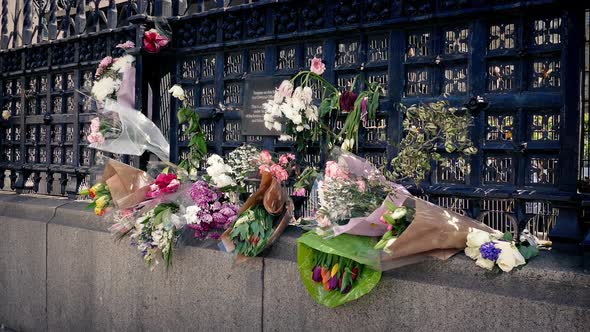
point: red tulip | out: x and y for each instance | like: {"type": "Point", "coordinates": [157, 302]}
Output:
{"type": "Point", "coordinates": [347, 100]}
{"type": "Point", "coordinates": [153, 41]}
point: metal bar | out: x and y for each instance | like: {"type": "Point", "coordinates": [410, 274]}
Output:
{"type": "Point", "coordinates": [52, 24]}
{"type": "Point", "coordinates": [27, 22]}
{"type": "Point", "coordinates": [80, 20]}
{"type": "Point", "coordinates": [4, 22]}
{"type": "Point", "coordinates": [112, 15]}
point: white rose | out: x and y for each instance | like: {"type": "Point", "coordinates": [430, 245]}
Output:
{"type": "Point", "coordinates": [299, 128]}
{"type": "Point", "coordinates": [223, 180]}
{"type": "Point", "coordinates": [485, 263]}
{"type": "Point", "coordinates": [472, 253]}
{"type": "Point", "coordinates": [509, 257]}
{"type": "Point", "coordinates": [6, 114]}
{"type": "Point", "coordinates": [477, 238]}
{"type": "Point", "coordinates": [177, 92]}
{"type": "Point", "coordinates": [277, 126]}
{"type": "Point", "coordinates": [214, 159]}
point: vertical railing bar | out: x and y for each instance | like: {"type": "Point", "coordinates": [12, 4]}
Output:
{"type": "Point", "coordinates": [52, 24]}
{"type": "Point", "coordinates": [27, 23]}
{"type": "Point", "coordinates": [112, 15]}
{"type": "Point", "coordinates": [4, 21]}
{"type": "Point", "coordinates": [80, 20]}
{"type": "Point", "coordinates": [15, 19]}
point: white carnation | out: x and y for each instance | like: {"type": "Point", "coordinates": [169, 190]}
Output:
{"type": "Point", "coordinates": [214, 159]}
{"type": "Point", "coordinates": [105, 87]}
{"type": "Point", "coordinates": [191, 214]}
{"type": "Point", "coordinates": [223, 180]}
{"type": "Point", "coordinates": [123, 63]}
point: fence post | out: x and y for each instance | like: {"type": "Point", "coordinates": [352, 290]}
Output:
{"type": "Point", "coordinates": [4, 22]}
{"type": "Point", "coordinates": [80, 20]}
{"type": "Point", "coordinates": [112, 15]}
{"type": "Point", "coordinates": [27, 23]}
{"type": "Point", "coordinates": [52, 24]}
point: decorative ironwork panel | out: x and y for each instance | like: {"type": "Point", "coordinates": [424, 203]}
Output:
{"type": "Point", "coordinates": [546, 74]}
{"type": "Point", "coordinates": [547, 32]}
{"type": "Point", "coordinates": [234, 64]}
{"type": "Point", "coordinates": [419, 44]}
{"type": "Point", "coordinates": [498, 170]}
{"type": "Point", "coordinates": [257, 61]}
{"type": "Point", "coordinates": [502, 37]}
{"type": "Point", "coordinates": [499, 127]}
{"type": "Point", "coordinates": [347, 53]}
{"type": "Point", "coordinates": [286, 58]}
{"type": "Point", "coordinates": [544, 127]}
{"type": "Point", "coordinates": [418, 81]}
{"type": "Point", "coordinates": [455, 80]}
{"type": "Point", "coordinates": [456, 41]}
{"type": "Point", "coordinates": [378, 50]}
{"type": "Point", "coordinates": [452, 170]}
{"type": "Point", "coordinates": [543, 170]}
{"type": "Point", "coordinates": [502, 77]}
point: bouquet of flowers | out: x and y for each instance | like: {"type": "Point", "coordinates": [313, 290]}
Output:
{"type": "Point", "coordinates": [211, 213]}
{"type": "Point", "coordinates": [261, 219]}
{"type": "Point", "coordinates": [496, 249]}
{"type": "Point", "coordinates": [101, 198]}
{"type": "Point", "coordinates": [114, 74]}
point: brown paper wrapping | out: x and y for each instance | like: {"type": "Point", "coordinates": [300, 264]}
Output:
{"type": "Point", "coordinates": [435, 232]}
{"type": "Point", "coordinates": [263, 196]}
{"type": "Point", "coordinates": [128, 185]}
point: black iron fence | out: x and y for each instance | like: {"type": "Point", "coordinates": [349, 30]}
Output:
{"type": "Point", "coordinates": [524, 58]}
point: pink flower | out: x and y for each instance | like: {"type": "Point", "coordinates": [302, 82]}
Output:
{"type": "Point", "coordinates": [362, 185]}
{"type": "Point", "coordinates": [299, 192]}
{"type": "Point", "coordinates": [153, 194]}
{"type": "Point", "coordinates": [334, 171]}
{"type": "Point", "coordinates": [105, 62]}
{"type": "Point", "coordinates": [153, 41]}
{"type": "Point", "coordinates": [171, 187]}
{"type": "Point", "coordinates": [263, 168]}
{"type": "Point", "coordinates": [317, 66]}
{"type": "Point", "coordinates": [364, 110]}
{"type": "Point", "coordinates": [163, 180]}
{"type": "Point", "coordinates": [284, 159]}
{"type": "Point", "coordinates": [265, 157]}
{"type": "Point", "coordinates": [95, 125]}
{"type": "Point", "coordinates": [154, 187]}
{"type": "Point", "coordinates": [99, 71]}
{"type": "Point", "coordinates": [95, 138]}
{"type": "Point", "coordinates": [126, 45]}
{"type": "Point", "coordinates": [285, 90]}
{"type": "Point", "coordinates": [279, 173]}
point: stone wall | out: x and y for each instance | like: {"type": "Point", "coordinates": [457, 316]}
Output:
{"type": "Point", "coordinates": [60, 270]}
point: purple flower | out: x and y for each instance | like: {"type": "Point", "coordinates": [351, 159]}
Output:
{"type": "Point", "coordinates": [347, 100]}
{"type": "Point", "coordinates": [317, 274]}
{"type": "Point", "coordinates": [333, 282]}
{"type": "Point", "coordinates": [489, 251]}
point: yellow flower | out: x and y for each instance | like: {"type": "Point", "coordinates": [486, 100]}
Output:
{"type": "Point", "coordinates": [102, 201]}
{"type": "Point", "coordinates": [99, 211]}
{"type": "Point", "coordinates": [334, 270]}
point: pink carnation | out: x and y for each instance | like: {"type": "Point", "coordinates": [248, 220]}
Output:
{"type": "Point", "coordinates": [299, 192]}
{"type": "Point", "coordinates": [263, 168]}
{"type": "Point", "coordinates": [105, 62]}
{"type": "Point", "coordinates": [284, 159]}
{"type": "Point", "coordinates": [126, 45]}
{"type": "Point", "coordinates": [95, 138]}
{"type": "Point", "coordinates": [362, 185]}
{"type": "Point", "coordinates": [265, 157]}
{"type": "Point", "coordinates": [333, 170]}
{"type": "Point", "coordinates": [171, 187]}
{"type": "Point", "coordinates": [317, 66]}
{"type": "Point", "coordinates": [279, 173]}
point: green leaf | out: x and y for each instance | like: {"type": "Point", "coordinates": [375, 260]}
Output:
{"type": "Point", "coordinates": [508, 236]}
{"type": "Point", "coordinates": [181, 116]}
{"type": "Point", "coordinates": [325, 107]}
{"type": "Point", "coordinates": [528, 252]}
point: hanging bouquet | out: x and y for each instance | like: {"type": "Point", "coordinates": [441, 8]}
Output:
{"type": "Point", "coordinates": [114, 74]}
{"type": "Point", "coordinates": [293, 112]}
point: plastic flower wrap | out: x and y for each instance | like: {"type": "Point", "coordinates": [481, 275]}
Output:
{"type": "Point", "coordinates": [124, 130]}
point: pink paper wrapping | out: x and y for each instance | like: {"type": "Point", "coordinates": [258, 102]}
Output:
{"type": "Point", "coordinates": [126, 93]}
{"type": "Point", "coordinates": [128, 185]}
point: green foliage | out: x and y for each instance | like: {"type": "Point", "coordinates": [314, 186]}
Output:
{"type": "Point", "coordinates": [528, 251]}
{"type": "Point", "coordinates": [197, 142]}
{"type": "Point", "coordinates": [251, 231]}
{"type": "Point", "coordinates": [428, 128]}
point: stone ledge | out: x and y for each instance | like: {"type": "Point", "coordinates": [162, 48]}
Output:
{"type": "Point", "coordinates": [103, 279]}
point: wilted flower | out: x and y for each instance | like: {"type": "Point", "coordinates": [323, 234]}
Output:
{"type": "Point", "coordinates": [347, 100]}
{"type": "Point", "coordinates": [126, 45]}
{"type": "Point", "coordinates": [317, 66]}
{"type": "Point", "coordinates": [348, 144]}
{"type": "Point", "coordinates": [285, 90]}
{"type": "Point", "coordinates": [177, 92]}
{"type": "Point", "coordinates": [153, 41]}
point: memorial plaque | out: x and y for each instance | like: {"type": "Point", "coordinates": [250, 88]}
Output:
{"type": "Point", "coordinates": [257, 91]}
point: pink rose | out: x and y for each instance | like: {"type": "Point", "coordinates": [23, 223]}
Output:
{"type": "Point", "coordinates": [154, 187]}
{"type": "Point", "coordinates": [105, 62]}
{"type": "Point", "coordinates": [317, 66]}
{"type": "Point", "coordinates": [334, 171]}
{"type": "Point", "coordinates": [263, 168]}
{"type": "Point", "coordinates": [99, 72]}
{"type": "Point", "coordinates": [284, 159]}
{"type": "Point", "coordinates": [362, 185]}
{"type": "Point", "coordinates": [126, 45]}
{"type": "Point", "coordinates": [163, 180]}
{"type": "Point", "coordinates": [285, 89]}
{"type": "Point", "coordinates": [279, 173]}
{"type": "Point", "coordinates": [95, 138]}
{"type": "Point", "coordinates": [95, 125]}
{"type": "Point", "coordinates": [299, 192]}
{"type": "Point", "coordinates": [265, 157]}
{"type": "Point", "coordinates": [153, 41]}
{"type": "Point", "coordinates": [153, 194]}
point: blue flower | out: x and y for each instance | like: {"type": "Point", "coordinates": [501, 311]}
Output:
{"type": "Point", "coordinates": [489, 251]}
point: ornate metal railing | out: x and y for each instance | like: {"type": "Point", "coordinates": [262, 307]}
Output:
{"type": "Point", "coordinates": [522, 57]}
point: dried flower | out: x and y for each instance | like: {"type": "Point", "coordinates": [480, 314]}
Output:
{"type": "Point", "coordinates": [347, 100]}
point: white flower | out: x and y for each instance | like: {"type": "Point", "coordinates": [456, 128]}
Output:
{"type": "Point", "coordinates": [157, 236]}
{"type": "Point", "coordinates": [223, 180]}
{"type": "Point", "coordinates": [214, 159]}
{"type": "Point", "coordinates": [298, 93]}
{"type": "Point", "coordinates": [218, 169]}
{"type": "Point", "coordinates": [472, 253]}
{"type": "Point", "coordinates": [105, 87]}
{"type": "Point", "coordinates": [177, 92]}
{"type": "Point", "coordinates": [312, 113]}
{"type": "Point", "coordinates": [388, 245]}
{"type": "Point", "coordinates": [177, 221]}
{"type": "Point", "coordinates": [348, 144]}
{"type": "Point", "coordinates": [283, 138]}
{"type": "Point", "coordinates": [6, 114]}
{"type": "Point", "coordinates": [285, 89]}
{"type": "Point", "coordinates": [509, 257]}
{"type": "Point", "coordinates": [307, 95]}
{"type": "Point", "coordinates": [477, 238]}
{"type": "Point", "coordinates": [277, 126]}
{"type": "Point", "coordinates": [299, 128]}
{"type": "Point", "coordinates": [268, 125]}
{"type": "Point", "coordinates": [190, 214]}
{"type": "Point", "coordinates": [485, 263]}
{"type": "Point", "coordinates": [122, 63]}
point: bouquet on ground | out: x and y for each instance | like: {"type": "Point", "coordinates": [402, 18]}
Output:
{"type": "Point", "coordinates": [497, 249]}
{"type": "Point", "coordinates": [101, 198]}
{"type": "Point", "coordinates": [121, 185]}
{"type": "Point", "coordinates": [261, 219]}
